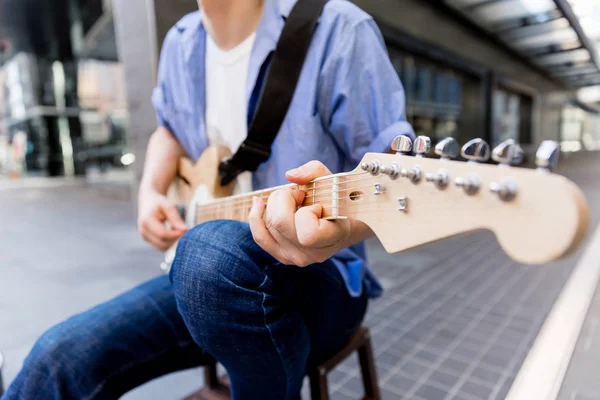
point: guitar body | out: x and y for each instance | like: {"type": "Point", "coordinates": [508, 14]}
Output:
{"type": "Point", "coordinates": [195, 184]}
{"type": "Point", "coordinates": [202, 176]}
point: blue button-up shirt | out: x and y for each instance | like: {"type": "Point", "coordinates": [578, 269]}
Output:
{"type": "Point", "coordinates": [349, 101]}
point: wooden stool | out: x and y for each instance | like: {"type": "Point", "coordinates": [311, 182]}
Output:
{"type": "Point", "coordinates": [218, 389]}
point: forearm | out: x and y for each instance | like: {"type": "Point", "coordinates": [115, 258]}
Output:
{"type": "Point", "coordinates": [160, 167]}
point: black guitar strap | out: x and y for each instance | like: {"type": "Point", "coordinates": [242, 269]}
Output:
{"type": "Point", "coordinates": [279, 88]}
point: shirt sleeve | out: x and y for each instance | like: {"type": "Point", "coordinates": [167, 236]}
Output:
{"type": "Point", "coordinates": [161, 94]}
{"type": "Point", "coordinates": [361, 98]}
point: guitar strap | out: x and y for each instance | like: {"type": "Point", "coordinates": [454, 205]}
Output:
{"type": "Point", "coordinates": [280, 85]}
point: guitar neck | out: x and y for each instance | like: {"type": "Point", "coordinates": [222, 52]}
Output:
{"type": "Point", "coordinates": [324, 191]}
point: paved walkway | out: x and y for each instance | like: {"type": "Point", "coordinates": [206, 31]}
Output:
{"type": "Point", "coordinates": [456, 322]}
{"type": "Point", "coordinates": [582, 379]}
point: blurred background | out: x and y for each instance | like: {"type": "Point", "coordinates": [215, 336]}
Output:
{"type": "Point", "coordinates": [522, 69]}
{"type": "Point", "coordinates": [76, 78]}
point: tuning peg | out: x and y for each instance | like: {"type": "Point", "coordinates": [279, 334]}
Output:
{"type": "Point", "coordinates": [402, 144]}
{"type": "Point", "coordinates": [440, 178]}
{"type": "Point", "coordinates": [506, 190]}
{"type": "Point", "coordinates": [447, 148]}
{"type": "Point", "coordinates": [547, 155]}
{"type": "Point", "coordinates": [476, 150]}
{"type": "Point", "coordinates": [507, 153]}
{"type": "Point", "coordinates": [422, 145]}
{"type": "Point", "coordinates": [373, 167]}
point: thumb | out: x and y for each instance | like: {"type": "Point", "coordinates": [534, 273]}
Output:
{"type": "Point", "coordinates": [308, 172]}
{"type": "Point", "coordinates": [173, 216]}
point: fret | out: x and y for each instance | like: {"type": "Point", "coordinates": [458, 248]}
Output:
{"type": "Point", "coordinates": [321, 191]}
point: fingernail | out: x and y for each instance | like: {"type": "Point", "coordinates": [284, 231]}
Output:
{"type": "Point", "coordinates": [255, 201]}
{"type": "Point", "coordinates": [294, 172]}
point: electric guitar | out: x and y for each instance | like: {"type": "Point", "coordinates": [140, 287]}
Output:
{"type": "Point", "coordinates": [407, 201]}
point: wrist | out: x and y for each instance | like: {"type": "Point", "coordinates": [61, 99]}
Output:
{"type": "Point", "coordinates": [359, 232]}
{"type": "Point", "coordinates": [146, 192]}
{"type": "Point", "coordinates": [147, 186]}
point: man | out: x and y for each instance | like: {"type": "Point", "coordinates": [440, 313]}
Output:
{"type": "Point", "coordinates": [238, 291]}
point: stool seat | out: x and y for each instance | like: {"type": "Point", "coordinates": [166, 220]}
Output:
{"type": "Point", "coordinates": [218, 388]}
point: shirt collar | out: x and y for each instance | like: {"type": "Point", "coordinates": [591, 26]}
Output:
{"type": "Point", "coordinates": [267, 36]}
{"type": "Point", "coordinates": [269, 29]}
{"type": "Point", "coordinates": [193, 39]}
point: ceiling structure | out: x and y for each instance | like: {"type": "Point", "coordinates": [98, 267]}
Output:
{"type": "Point", "coordinates": [557, 36]}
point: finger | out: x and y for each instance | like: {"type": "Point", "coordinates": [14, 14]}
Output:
{"type": "Point", "coordinates": [157, 228]}
{"type": "Point", "coordinates": [259, 230]}
{"type": "Point", "coordinates": [314, 232]}
{"type": "Point", "coordinates": [298, 195]}
{"type": "Point", "coordinates": [279, 215]}
{"type": "Point", "coordinates": [157, 242]}
{"type": "Point", "coordinates": [308, 172]}
{"type": "Point", "coordinates": [173, 216]}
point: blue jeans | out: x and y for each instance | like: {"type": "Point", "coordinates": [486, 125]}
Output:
{"type": "Point", "coordinates": [227, 298]}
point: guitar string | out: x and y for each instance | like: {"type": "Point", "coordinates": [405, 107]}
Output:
{"type": "Point", "coordinates": [352, 213]}
{"type": "Point", "coordinates": [246, 197]}
{"type": "Point", "coordinates": [246, 208]}
{"type": "Point", "coordinates": [306, 202]}
{"type": "Point", "coordinates": [344, 202]}
{"type": "Point", "coordinates": [248, 201]}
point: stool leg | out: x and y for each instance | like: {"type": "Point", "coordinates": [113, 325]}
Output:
{"type": "Point", "coordinates": [319, 388]}
{"type": "Point", "coordinates": [368, 371]}
{"type": "Point", "coordinates": [1, 380]}
{"type": "Point", "coordinates": [211, 379]}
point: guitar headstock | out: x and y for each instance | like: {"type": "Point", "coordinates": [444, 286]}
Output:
{"type": "Point", "coordinates": [408, 201]}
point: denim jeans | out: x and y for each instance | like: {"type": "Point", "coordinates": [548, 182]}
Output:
{"type": "Point", "coordinates": [225, 297]}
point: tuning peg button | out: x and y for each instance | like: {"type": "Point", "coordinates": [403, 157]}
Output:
{"type": "Point", "coordinates": [476, 150]}
{"type": "Point", "coordinates": [469, 184]}
{"type": "Point", "coordinates": [505, 190]}
{"type": "Point", "coordinates": [441, 178]}
{"type": "Point", "coordinates": [447, 148]}
{"type": "Point", "coordinates": [373, 167]}
{"type": "Point", "coordinates": [402, 144]}
{"type": "Point", "coordinates": [414, 174]}
{"type": "Point", "coordinates": [393, 171]}
{"type": "Point", "coordinates": [508, 153]}
{"type": "Point", "coordinates": [547, 156]}
{"type": "Point", "coordinates": [422, 145]}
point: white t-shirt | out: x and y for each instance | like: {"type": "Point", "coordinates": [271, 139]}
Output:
{"type": "Point", "coordinates": [226, 107]}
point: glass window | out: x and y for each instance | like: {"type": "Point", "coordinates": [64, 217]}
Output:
{"type": "Point", "coordinates": [424, 84]}
{"type": "Point", "coordinates": [434, 94]}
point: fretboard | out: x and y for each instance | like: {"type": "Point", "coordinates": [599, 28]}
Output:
{"type": "Point", "coordinates": [325, 191]}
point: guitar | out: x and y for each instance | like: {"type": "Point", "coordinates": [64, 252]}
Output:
{"type": "Point", "coordinates": [536, 215]}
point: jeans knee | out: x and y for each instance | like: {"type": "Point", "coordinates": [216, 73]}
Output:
{"type": "Point", "coordinates": [216, 255]}
{"type": "Point", "coordinates": [217, 265]}
{"type": "Point", "coordinates": [53, 354]}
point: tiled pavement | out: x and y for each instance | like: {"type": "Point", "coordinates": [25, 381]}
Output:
{"type": "Point", "coordinates": [456, 320]}
{"type": "Point", "coordinates": [459, 317]}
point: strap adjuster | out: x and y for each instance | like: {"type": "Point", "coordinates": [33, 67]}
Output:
{"type": "Point", "coordinates": [247, 158]}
